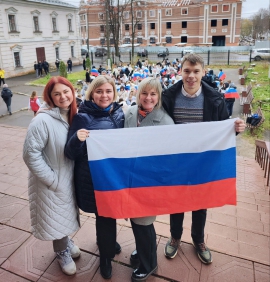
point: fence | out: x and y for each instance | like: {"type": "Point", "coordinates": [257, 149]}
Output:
{"type": "Point", "coordinates": [211, 55]}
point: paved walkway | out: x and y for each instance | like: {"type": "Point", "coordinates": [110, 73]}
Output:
{"type": "Point", "coordinates": [239, 236]}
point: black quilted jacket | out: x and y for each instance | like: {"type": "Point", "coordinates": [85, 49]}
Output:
{"type": "Point", "coordinates": [91, 118]}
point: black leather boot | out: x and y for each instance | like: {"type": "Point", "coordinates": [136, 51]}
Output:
{"type": "Point", "coordinates": [106, 268]}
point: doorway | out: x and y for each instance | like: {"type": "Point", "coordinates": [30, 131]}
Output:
{"type": "Point", "coordinates": [40, 54]}
{"type": "Point", "coordinates": [218, 40]}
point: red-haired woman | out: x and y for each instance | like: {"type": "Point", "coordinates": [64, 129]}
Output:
{"type": "Point", "coordinates": [54, 213]}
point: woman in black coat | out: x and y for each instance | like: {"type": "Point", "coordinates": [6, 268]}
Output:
{"type": "Point", "coordinates": [97, 111]}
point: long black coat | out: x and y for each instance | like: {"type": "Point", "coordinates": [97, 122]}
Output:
{"type": "Point", "coordinates": [90, 118]}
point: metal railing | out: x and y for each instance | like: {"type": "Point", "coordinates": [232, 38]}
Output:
{"type": "Point", "coordinates": [262, 156]}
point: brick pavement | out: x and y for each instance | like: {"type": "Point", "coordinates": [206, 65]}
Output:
{"type": "Point", "coordinates": [237, 235]}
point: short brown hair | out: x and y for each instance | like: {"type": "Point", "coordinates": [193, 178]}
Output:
{"type": "Point", "coordinates": [193, 59]}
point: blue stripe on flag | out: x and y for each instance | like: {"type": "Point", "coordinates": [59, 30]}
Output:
{"type": "Point", "coordinates": [177, 169]}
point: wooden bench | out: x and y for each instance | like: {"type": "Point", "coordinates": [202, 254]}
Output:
{"type": "Point", "coordinates": [262, 119]}
{"type": "Point", "coordinates": [243, 78]}
{"type": "Point", "coordinates": [247, 107]}
{"type": "Point", "coordinates": [241, 70]}
{"type": "Point", "coordinates": [244, 94]}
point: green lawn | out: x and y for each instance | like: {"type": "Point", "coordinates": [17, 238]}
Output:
{"type": "Point", "coordinates": [72, 77]}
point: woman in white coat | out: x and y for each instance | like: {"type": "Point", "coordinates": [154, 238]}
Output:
{"type": "Point", "coordinates": [53, 210]}
{"type": "Point", "coordinates": [147, 112]}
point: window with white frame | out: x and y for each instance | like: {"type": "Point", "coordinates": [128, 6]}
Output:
{"type": "Point", "coordinates": [214, 8]}
{"type": "Point", "coordinates": [36, 15]}
{"type": "Point", "coordinates": [54, 25]}
{"type": "Point", "coordinates": [184, 11]}
{"type": "Point", "coordinates": [54, 21]}
{"type": "Point", "coordinates": [152, 40]}
{"type": "Point", "coordinates": [226, 8]}
{"type": "Point", "coordinates": [152, 13]}
{"type": "Point", "coordinates": [139, 14]}
{"type": "Point", "coordinates": [127, 40]}
{"type": "Point", "coordinates": [126, 15]}
{"type": "Point", "coordinates": [168, 12]}
{"type": "Point", "coordinates": [139, 26]}
{"type": "Point", "coordinates": [57, 53]}
{"type": "Point", "coordinates": [69, 18]}
{"type": "Point", "coordinates": [69, 25]}
{"type": "Point", "coordinates": [102, 41]}
{"type": "Point", "coordinates": [17, 59]}
{"type": "Point", "coordinates": [11, 18]}
{"type": "Point", "coordinates": [72, 51]}
{"type": "Point", "coordinates": [17, 56]}
{"type": "Point", "coordinates": [36, 25]}
{"type": "Point", "coordinates": [100, 16]}
{"type": "Point", "coordinates": [139, 40]}
{"type": "Point", "coordinates": [12, 23]}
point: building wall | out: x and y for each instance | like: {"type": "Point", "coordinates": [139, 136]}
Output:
{"type": "Point", "coordinates": [25, 40]}
{"type": "Point", "coordinates": [198, 18]}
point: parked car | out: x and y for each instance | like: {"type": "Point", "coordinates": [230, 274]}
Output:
{"type": "Point", "coordinates": [187, 51]}
{"type": "Point", "coordinates": [142, 53]}
{"type": "Point", "coordinates": [163, 52]}
{"type": "Point", "coordinates": [260, 54]}
{"type": "Point", "coordinates": [100, 52]}
{"type": "Point", "coordinates": [83, 52]}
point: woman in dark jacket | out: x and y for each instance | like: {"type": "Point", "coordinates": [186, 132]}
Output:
{"type": "Point", "coordinates": [6, 94]}
{"type": "Point", "coordinates": [97, 111]}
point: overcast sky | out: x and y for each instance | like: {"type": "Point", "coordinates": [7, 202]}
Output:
{"type": "Point", "coordinates": [249, 7]}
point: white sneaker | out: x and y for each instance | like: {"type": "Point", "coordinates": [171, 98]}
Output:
{"type": "Point", "coordinates": [66, 262]}
{"type": "Point", "coordinates": [74, 250]}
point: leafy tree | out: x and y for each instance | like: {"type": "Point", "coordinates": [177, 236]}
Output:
{"type": "Point", "coordinates": [88, 63]}
{"type": "Point", "coordinates": [62, 69]}
{"type": "Point", "coordinates": [246, 27]}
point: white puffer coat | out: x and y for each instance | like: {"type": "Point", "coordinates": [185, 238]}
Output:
{"type": "Point", "coordinates": [53, 210]}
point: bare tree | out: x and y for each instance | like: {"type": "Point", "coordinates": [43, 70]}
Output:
{"type": "Point", "coordinates": [260, 23]}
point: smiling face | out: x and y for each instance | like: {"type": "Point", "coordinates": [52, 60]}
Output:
{"type": "Point", "coordinates": [148, 98]}
{"type": "Point", "coordinates": [62, 96]}
{"type": "Point", "coordinates": [103, 95]}
{"type": "Point", "coordinates": [192, 75]}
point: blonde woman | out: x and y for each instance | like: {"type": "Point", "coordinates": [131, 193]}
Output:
{"type": "Point", "coordinates": [98, 111]}
{"type": "Point", "coordinates": [147, 112]}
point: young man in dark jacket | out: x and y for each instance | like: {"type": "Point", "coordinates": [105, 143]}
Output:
{"type": "Point", "coordinates": [193, 100]}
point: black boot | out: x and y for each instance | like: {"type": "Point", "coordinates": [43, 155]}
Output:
{"type": "Point", "coordinates": [118, 248]}
{"type": "Point", "coordinates": [106, 268]}
{"type": "Point", "coordinates": [140, 274]}
{"type": "Point", "coordinates": [134, 259]}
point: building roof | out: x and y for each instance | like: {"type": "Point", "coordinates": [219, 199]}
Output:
{"type": "Point", "coordinates": [54, 2]}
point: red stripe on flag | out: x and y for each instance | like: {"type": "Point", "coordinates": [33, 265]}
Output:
{"type": "Point", "coordinates": [232, 95]}
{"type": "Point", "coordinates": [222, 77]}
{"type": "Point", "coordinates": [147, 201]}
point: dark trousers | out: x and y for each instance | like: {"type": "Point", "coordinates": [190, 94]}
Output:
{"type": "Point", "coordinates": [69, 68]}
{"type": "Point", "coordinates": [2, 80]}
{"type": "Point", "coordinates": [229, 105]}
{"type": "Point", "coordinates": [106, 236]}
{"type": "Point", "coordinates": [145, 238]}
{"type": "Point", "coordinates": [197, 227]}
{"type": "Point", "coordinates": [39, 72]}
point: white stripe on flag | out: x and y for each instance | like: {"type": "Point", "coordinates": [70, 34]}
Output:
{"type": "Point", "coordinates": [161, 140]}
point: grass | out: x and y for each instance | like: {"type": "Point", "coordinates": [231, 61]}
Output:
{"type": "Point", "coordinates": [261, 92]}
{"type": "Point", "coordinates": [72, 77]}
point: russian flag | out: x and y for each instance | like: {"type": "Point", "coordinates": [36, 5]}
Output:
{"type": "Point", "coordinates": [136, 75]}
{"type": "Point", "coordinates": [231, 93]}
{"type": "Point", "coordinates": [164, 169]}
{"type": "Point", "coordinates": [221, 75]}
{"type": "Point", "coordinates": [94, 72]}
